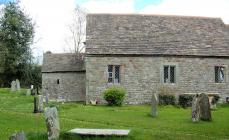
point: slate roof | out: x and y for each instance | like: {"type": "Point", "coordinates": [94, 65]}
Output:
{"type": "Point", "coordinates": [156, 35]}
{"type": "Point", "coordinates": [62, 62]}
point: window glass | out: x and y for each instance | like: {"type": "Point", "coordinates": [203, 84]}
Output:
{"type": "Point", "coordinates": [117, 77]}
{"type": "Point", "coordinates": [172, 74]}
{"type": "Point", "coordinates": [169, 74]}
{"type": "Point", "coordinates": [113, 74]}
{"type": "Point", "coordinates": [219, 74]}
{"type": "Point", "coordinates": [166, 74]}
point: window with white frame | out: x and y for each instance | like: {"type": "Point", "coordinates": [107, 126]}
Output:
{"type": "Point", "coordinates": [219, 74]}
{"type": "Point", "coordinates": [113, 74]}
{"type": "Point", "coordinates": [169, 74]}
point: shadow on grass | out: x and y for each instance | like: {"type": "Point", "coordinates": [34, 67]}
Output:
{"type": "Point", "coordinates": [68, 136]}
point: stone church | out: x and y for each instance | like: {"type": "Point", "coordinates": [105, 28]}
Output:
{"type": "Point", "coordinates": [142, 53]}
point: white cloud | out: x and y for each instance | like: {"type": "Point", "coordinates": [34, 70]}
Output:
{"type": "Point", "coordinates": [109, 6]}
{"type": "Point", "coordinates": [51, 18]}
{"type": "Point", "coordinates": [208, 8]}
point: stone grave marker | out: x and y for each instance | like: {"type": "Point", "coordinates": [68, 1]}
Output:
{"type": "Point", "coordinates": [38, 104]}
{"type": "Point", "coordinates": [52, 123]}
{"type": "Point", "coordinates": [13, 86]}
{"type": "Point", "coordinates": [18, 86]}
{"type": "Point", "coordinates": [205, 111]}
{"type": "Point", "coordinates": [195, 109]}
{"type": "Point", "coordinates": [99, 132]}
{"type": "Point", "coordinates": [154, 102]}
{"type": "Point", "coordinates": [28, 92]}
{"type": "Point", "coordinates": [18, 136]}
{"type": "Point", "coordinates": [212, 103]}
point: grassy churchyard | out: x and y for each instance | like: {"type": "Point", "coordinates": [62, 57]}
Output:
{"type": "Point", "coordinates": [172, 122]}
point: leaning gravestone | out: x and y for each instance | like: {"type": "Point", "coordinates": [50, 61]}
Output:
{"type": "Point", "coordinates": [38, 104]}
{"type": "Point", "coordinates": [13, 86]}
{"type": "Point", "coordinates": [52, 123]}
{"type": "Point", "coordinates": [18, 87]}
{"type": "Point", "coordinates": [205, 111]}
{"type": "Point", "coordinates": [18, 136]}
{"type": "Point", "coordinates": [195, 109]}
{"type": "Point", "coordinates": [28, 92]}
{"type": "Point", "coordinates": [154, 102]}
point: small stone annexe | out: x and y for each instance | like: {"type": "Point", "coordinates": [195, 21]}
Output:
{"type": "Point", "coordinates": [143, 54]}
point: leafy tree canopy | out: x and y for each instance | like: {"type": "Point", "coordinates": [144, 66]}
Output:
{"type": "Point", "coordinates": [16, 36]}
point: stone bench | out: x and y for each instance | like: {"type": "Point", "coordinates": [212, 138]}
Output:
{"type": "Point", "coordinates": [100, 132]}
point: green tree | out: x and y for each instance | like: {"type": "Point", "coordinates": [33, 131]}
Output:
{"type": "Point", "coordinates": [16, 36]}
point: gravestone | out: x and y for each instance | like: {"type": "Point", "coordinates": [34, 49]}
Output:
{"type": "Point", "coordinates": [31, 87]}
{"type": "Point", "coordinates": [195, 109]}
{"type": "Point", "coordinates": [205, 111]}
{"type": "Point", "coordinates": [93, 102]}
{"type": "Point", "coordinates": [99, 132]}
{"type": "Point", "coordinates": [212, 103]}
{"type": "Point", "coordinates": [52, 123]}
{"type": "Point", "coordinates": [13, 86]}
{"type": "Point", "coordinates": [18, 86]}
{"type": "Point", "coordinates": [38, 104]}
{"type": "Point", "coordinates": [154, 103]}
{"type": "Point", "coordinates": [18, 136]}
{"type": "Point", "coordinates": [28, 92]}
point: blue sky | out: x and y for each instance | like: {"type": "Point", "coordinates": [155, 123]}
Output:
{"type": "Point", "coordinates": [5, 1]}
{"type": "Point", "coordinates": [138, 4]}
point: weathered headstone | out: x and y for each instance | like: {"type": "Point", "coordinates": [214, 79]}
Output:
{"type": "Point", "coordinates": [13, 86]}
{"type": "Point", "coordinates": [93, 102]}
{"type": "Point", "coordinates": [154, 103]}
{"type": "Point", "coordinates": [31, 87]}
{"type": "Point", "coordinates": [18, 136]}
{"type": "Point", "coordinates": [18, 86]}
{"type": "Point", "coordinates": [100, 132]}
{"type": "Point", "coordinates": [212, 102]}
{"type": "Point", "coordinates": [28, 92]}
{"type": "Point", "coordinates": [38, 104]}
{"type": "Point", "coordinates": [205, 111]}
{"type": "Point", "coordinates": [195, 109]}
{"type": "Point", "coordinates": [52, 123]}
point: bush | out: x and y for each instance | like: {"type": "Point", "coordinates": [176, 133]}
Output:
{"type": "Point", "coordinates": [185, 100]}
{"type": "Point", "coordinates": [167, 96]}
{"type": "Point", "coordinates": [167, 99]}
{"type": "Point", "coordinates": [215, 99]}
{"type": "Point", "coordinates": [114, 96]}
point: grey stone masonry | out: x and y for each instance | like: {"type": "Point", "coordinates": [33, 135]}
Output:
{"type": "Point", "coordinates": [69, 86]}
{"type": "Point", "coordinates": [142, 76]}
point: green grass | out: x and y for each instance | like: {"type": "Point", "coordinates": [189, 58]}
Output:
{"type": "Point", "coordinates": [172, 123]}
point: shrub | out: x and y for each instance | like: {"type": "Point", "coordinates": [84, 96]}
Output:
{"type": "Point", "coordinates": [166, 99]}
{"type": "Point", "coordinates": [114, 96]}
{"type": "Point", "coordinates": [215, 99]}
{"type": "Point", "coordinates": [166, 96]}
{"type": "Point", "coordinates": [185, 100]}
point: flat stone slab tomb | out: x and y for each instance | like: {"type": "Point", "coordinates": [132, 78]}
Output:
{"type": "Point", "coordinates": [100, 132]}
